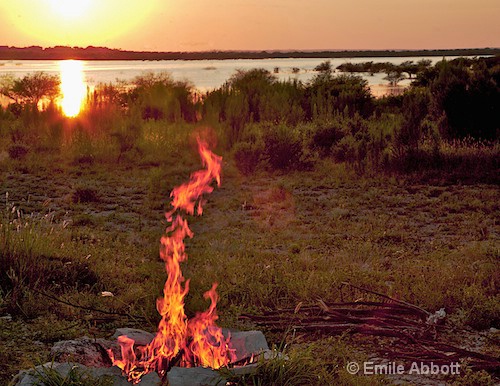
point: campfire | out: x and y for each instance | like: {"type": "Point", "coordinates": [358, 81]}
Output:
{"type": "Point", "coordinates": [179, 341]}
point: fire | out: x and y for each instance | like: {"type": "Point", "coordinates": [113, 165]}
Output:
{"type": "Point", "coordinates": [194, 342]}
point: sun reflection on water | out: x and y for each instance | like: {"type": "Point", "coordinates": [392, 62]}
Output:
{"type": "Point", "coordinates": [73, 87]}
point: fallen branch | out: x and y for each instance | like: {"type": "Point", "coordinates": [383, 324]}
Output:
{"type": "Point", "coordinates": [412, 337]}
{"type": "Point", "coordinates": [50, 296]}
{"type": "Point", "coordinates": [388, 297]}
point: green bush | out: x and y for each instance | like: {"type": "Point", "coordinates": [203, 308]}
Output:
{"type": "Point", "coordinates": [283, 147]}
{"type": "Point", "coordinates": [247, 156]}
{"type": "Point", "coordinates": [485, 314]}
{"type": "Point", "coordinates": [345, 150]}
{"type": "Point", "coordinates": [326, 136]}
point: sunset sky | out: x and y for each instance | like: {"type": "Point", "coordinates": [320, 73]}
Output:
{"type": "Point", "coordinates": [199, 25]}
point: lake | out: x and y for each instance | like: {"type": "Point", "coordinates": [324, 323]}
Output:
{"type": "Point", "coordinates": [205, 75]}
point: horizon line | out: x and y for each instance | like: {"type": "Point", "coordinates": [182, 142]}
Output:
{"type": "Point", "coordinates": [308, 50]}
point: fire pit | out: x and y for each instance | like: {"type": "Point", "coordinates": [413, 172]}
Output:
{"type": "Point", "coordinates": [90, 357]}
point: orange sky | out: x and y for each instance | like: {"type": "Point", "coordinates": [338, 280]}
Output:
{"type": "Point", "coordinates": [198, 25]}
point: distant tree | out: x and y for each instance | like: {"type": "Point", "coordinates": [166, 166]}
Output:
{"type": "Point", "coordinates": [31, 88]}
{"type": "Point", "coordinates": [424, 63]}
{"type": "Point", "coordinates": [368, 67]}
{"type": "Point", "coordinates": [324, 67]}
{"type": "Point", "coordinates": [409, 67]}
{"type": "Point", "coordinates": [151, 79]}
{"type": "Point", "coordinates": [394, 74]}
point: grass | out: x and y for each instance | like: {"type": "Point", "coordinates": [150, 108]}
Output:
{"type": "Point", "coordinates": [77, 221]}
{"type": "Point", "coordinates": [48, 375]}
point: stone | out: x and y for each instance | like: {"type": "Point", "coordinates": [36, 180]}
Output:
{"type": "Point", "coordinates": [246, 343]}
{"type": "Point", "coordinates": [194, 376]}
{"type": "Point", "coordinates": [28, 378]}
{"type": "Point", "coordinates": [251, 368]}
{"type": "Point", "coordinates": [32, 377]}
{"type": "Point", "coordinates": [141, 337]}
{"type": "Point", "coordinates": [86, 351]}
{"type": "Point", "coordinates": [90, 356]}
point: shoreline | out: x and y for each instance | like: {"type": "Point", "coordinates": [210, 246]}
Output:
{"type": "Point", "coordinates": [102, 53]}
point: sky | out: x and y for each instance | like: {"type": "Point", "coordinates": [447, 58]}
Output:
{"type": "Point", "coordinates": [205, 25]}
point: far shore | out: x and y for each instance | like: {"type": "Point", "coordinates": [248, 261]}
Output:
{"type": "Point", "coordinates": [103, 53]}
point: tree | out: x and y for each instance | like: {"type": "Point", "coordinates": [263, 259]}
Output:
{"type": "Point", "coordinates": [394, 74]}
{"type": "Point", "coordinates": [31, 88]}
{"type": "Point", "coordinates": [325, 67]}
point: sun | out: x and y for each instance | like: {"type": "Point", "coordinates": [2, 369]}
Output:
{"type": "Point", "coordinates": [78, 23]}
{"type": "Point", "coordinates": [70, 9]}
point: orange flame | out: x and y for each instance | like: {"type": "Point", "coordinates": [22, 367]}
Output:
{"type": "Point", "coordinates": [198, 341]}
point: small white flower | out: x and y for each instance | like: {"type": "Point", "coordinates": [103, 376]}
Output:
{"type": "Point", "coordinates": [106, 294]}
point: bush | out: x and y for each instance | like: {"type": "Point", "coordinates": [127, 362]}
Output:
{"type": "Point", "coordinates": [468, 94]}
{"type": "Point", "coordinates": [84, 194]}
{"type": "Point", "coordinates": [345, 150]}
{"type": "Point", "coordinates": [408, 136]}
{"type": "Point", "coordinates": [485, 315]}
{"type": "Point", "coordinates": [247, 156]}
{"type": "Point", "coordinates": [326, 136]}
{"type": "Point", "coordinates": [18, 151]}
{"type": "Point", "coordinates": [283, 147]}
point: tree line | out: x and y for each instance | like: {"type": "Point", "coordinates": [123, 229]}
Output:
{"type": "Point", "coordinates": [104, 53]}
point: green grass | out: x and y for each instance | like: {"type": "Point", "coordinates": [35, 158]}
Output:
{"type": "Point", "coordinates": [73, 227]}
{"type": "Point", "coordinates": [49, 376]}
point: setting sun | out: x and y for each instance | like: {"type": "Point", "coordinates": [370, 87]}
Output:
{"type": "Point", "coordinates": [76, 22]}
{"type": "Point", "coordinates": [73, 87]}
{"type": "Point", "coordinates": [70, 9]}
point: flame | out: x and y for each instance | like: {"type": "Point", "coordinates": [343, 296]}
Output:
{"type": "Point", "coordinates": [198, 341]}
{"type": "Point", "coordinates": [73, 87]}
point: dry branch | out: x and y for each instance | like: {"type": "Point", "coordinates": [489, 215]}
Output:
{"type": "Point", "coordinates": [413, 338]}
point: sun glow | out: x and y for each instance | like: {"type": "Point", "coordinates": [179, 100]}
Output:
{"type": "Point", "coordinates": [70, 9]}
{"type": "Point", "coordinates": [73, 87]}
{"type": "Point", "coordinates": [76, 23]}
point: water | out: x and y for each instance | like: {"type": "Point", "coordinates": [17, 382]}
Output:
{"type": "Point", "coordinates": [204, 75]}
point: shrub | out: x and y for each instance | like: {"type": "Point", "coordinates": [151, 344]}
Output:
{"type": "Point", "coordinates": [467, 92]}
{"type": "Point", "coordinates": [326, 136]}
{"type": "Point", "coordinates": [283, 147]}
{"type": "Point", "coordinates": [345, 150]}
{"type": "Point", "coordinates": [247, 156]}
{"type": "Point", "coordinates": [84, 194]}
{"type": "Point", "coordinates": [18, 151]}
{"type": "Point", "coordinates": [485, 315]}
{"type": "Point", "coordinates": [408, 136]}
{"type": "Point", "coordinates": [327, 95]}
